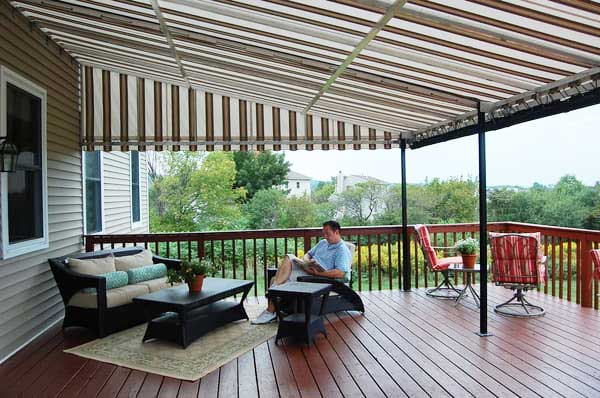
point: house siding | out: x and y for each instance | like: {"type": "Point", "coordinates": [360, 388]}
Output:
{"type": "Point", "coordinates": [29, 299]}
{"type": "Point", "coordinates": [117, 194]}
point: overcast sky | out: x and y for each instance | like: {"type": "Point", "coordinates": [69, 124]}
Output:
{"type": "Point", "coordinates": [538, 151]}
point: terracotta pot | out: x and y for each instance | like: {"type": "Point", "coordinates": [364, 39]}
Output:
{"type": "Point", "coordinates": [196, 285]}
{"type": "Point", "coordinates": [469, 260]}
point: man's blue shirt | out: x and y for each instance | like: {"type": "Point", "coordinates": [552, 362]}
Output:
{"type": "Point", "coordinates": [332, 256]}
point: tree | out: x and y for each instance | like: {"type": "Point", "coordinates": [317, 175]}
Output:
{"type": "Point", "coordinates": [259, 171]}
{"type": "Point", "coordinates": [325, 208]}
{"type": "Point", "coordinates": [299, 212]}
{"type": "Point", "coordinates": [196, 193]}
{"type": "Point", "coordinates": [360, 202]}
{"type": "Point", "coordinates": [263, 211]}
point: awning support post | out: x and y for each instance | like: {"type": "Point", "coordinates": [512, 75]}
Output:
{"type": "Point", "coordinates": [405, 233]}
{"type": "Point", "coordinates": [483, 310]}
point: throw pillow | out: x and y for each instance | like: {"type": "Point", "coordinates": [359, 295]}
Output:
{"type": "Point", "coordinates": [92, 266]}
{"type": "Point", "coordinates": [141, 274]}
{"type": "Point", "coordinates": [124, 263]}
{"type": "Point", "coordinates": [113, 280]}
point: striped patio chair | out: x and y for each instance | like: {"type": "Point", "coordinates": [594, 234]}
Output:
{"type": "Point", "coordinates": [445, 289]}
{"type": "Point", "coordinates": [519, 265]}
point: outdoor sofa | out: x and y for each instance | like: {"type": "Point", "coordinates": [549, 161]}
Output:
{"type": "Point", "coordinates": [101, 310]}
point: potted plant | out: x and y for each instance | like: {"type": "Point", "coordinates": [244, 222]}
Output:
{"type": "Point", "coordinates": [468, 250]}
{"type": "Point", "coordinates": [192, 273]}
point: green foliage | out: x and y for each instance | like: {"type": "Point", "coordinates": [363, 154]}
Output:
{"type": "Point", "coordinates": [467, 246]}
{"type": "Point", "coordinates": [263, 211]}
{"type": "Point", "coordinates": [360, 202]}
{"type": "Point", "coordinates": [258, 171]}
{"type": "Point", "coordinates": [188, 270]}
{"type": "Point", "coordinates": [195, 194]}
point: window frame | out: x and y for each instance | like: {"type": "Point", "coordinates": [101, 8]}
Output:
{"type": "Point", "coordinates": [102, 223]}
{"type": "Point", "coordinates": [9, 250]}
{"type": "Point", "coordinates": [135, 224]}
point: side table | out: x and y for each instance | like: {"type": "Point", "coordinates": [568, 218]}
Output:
{"type": "Point", "coordinates": [302, 326]}
{"type": "Point", "coordinates": [470, 275]}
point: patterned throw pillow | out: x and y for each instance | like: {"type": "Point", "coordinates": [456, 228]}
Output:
{"type": "Point", "coordinates": [113, 280]}
{"type": "Point", "coordinates": [141, 274]}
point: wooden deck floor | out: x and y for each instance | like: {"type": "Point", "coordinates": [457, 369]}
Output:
{"type": "Point", "coordinates": [405, 344]}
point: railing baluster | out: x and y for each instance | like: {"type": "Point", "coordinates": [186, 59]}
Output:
{"type": "Point", "coordinates": [435, 274]}
{"type": "Point", "coordinates": [359, 272]}
{"type": "Point", "coordinates": [578, 272]}
{"type": "Point", "coordinates": [178, 249]}
{"type": "Point", "coordinates": [379, 268]}
{"type": "Point", "coordinates": [265, 261]}
{"type": "Point", "coordinates": [285, 246]}
{"type": "Point", "coordinates": [156, 247]}
{"type": "Point", "coordinates": [254, 261]}
{"type": "Point", "coordinates": [545, 240]}
{"type": "Point", "coordinates": [569, 272]}
{"type": "Point", "coordinates": [370, 263]}
{"type": "Point", "coordinates": [560, 268]}
{"type": "Point", "coordinates": [168, 254]}
{"type": "Point", "coordinates": [295, 246]}
{"type": "Point", "coordinates": [189, 245]}
{"type": "Point", "coordinates": [400, 265]}
{"type": "Point", "coordinates": [233, 262]}
{"type": "Point", "coordinates": [553, 265]}
{"type": "Point", "coordinates": [416, 266]}
{"type": "Point", "coordinates": [245, 261]}
{"type": "Point", "coordinates": [275, 250]}
{"type": "Point", "coordinates": [389, 248]}
{"type": "Point", "coordinates": [223, 258]}
{"type": "Point", "coordinates": [212, 250]}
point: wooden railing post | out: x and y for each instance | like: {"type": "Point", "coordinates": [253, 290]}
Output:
{"type": "Point", "coordinates": [89, 244]}
{"type": "Point", "coordinates": [586, 274]}
{"type": "Point", "coordinates": [306, 243]}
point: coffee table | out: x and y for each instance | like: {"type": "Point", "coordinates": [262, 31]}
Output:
{"type": "Point", "coordinates": [175, 314]}
{"type": "Point", "coordinates": [470, 275]}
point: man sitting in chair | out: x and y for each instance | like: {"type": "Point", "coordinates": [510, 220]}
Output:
{"type": "Point", "coordinates": [330, 258]}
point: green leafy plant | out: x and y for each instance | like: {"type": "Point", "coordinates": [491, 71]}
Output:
{"type": "Point", "coordinates": [188, 270]}
{"type": "Point", "coordinates": [467, 246]}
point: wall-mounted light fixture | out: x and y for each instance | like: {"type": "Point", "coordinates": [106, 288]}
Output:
{"type": "Point", "coordinates": [8, 156]}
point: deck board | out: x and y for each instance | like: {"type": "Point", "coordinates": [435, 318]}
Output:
{"type": "Point", "coordinates": [405, 344]}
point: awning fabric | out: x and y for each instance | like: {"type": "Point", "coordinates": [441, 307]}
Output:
{"type": "Point", "coordinates": [124, 112]}
{"type": "Point", "coordinates": [417, 69]}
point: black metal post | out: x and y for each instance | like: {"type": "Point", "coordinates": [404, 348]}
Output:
{"type": "Point", "coordinates": [483, 331]}
{"type": "Point", "coordinates": [405, 235]}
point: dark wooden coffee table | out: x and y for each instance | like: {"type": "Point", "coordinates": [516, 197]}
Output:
{"type": "Point", "coordinates": [176, 315]}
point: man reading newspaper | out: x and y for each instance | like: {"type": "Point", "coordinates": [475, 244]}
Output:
{"type": "Point", "coordinates": [330, 258]}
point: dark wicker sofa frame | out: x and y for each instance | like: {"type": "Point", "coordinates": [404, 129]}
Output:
{"type": "Point", "coordinates": [102, 320]}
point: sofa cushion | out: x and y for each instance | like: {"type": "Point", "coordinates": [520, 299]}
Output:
{"type": "Point", "coordinates": [146, 273]}
{"type": "Point", "coordinates": [157, 284]}
{"type": "Point", "coordinates": [114, 297]}
{"type": "Point", "coordinates": [113, 280]}
{"type": "Point", "coordinates": [92, 266]}
{"type": "Point", "coordinates": [124, 263]}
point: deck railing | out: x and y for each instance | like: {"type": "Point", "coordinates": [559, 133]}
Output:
{"type": "Point", "coordinates": [377, 261]}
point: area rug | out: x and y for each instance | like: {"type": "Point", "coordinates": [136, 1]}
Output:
{"type": "Point", "coordinates": [206, 354]}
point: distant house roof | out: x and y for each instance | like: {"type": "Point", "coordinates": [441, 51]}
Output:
{"type": "Point", "coordinates": [292, 175]}
{"type": "Point", "coordinates": [369, 178]}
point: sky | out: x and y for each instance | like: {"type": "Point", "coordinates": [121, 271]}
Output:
{"type": "Point", "coordinates": [540, 151]}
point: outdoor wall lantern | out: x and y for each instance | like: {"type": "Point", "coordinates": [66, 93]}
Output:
{"type": "Point", "coordinates": [8, 156]}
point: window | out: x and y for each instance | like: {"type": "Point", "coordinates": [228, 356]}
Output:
{"type": "Point", "coordinates": [93, 191]}
{"type": "Point", "coordinates": [24, 192]}
{"type": "Point", "coordinates": [298, 184]}
{"type": "Point", "coordinates": [135, 187]}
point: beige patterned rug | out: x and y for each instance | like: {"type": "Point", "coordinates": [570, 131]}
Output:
{"type": "Point", "coordinates": [206, 354]}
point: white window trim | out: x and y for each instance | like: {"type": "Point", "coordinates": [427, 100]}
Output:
{"type": "Point", "coordinates": [18, 249]}
{"type": "Point", "coordinates": [135, 224]}
{"type": "Point", "coordinates": [102, 224]}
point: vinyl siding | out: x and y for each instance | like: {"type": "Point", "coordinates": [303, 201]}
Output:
{"type": "Point", "coordinates": [29, 300]}
{"type": "Point", "coordinates": [116, 176]}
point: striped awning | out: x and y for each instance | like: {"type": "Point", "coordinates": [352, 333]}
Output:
{"type": "Point", "coordinates": [320, 74]}
{"type": "Point", "coordinates": [123, 112]}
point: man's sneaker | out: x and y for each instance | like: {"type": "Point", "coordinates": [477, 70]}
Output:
{"type": "Point", "coordinates": [265, 317]}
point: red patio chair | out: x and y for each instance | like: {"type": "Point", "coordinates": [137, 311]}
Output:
{"type": "Point", "coordinates": [518, 264]}
{"type": "Point", "coordinates": [596, 261]}
{"type": "Point", "coordinates": [445, 289]}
